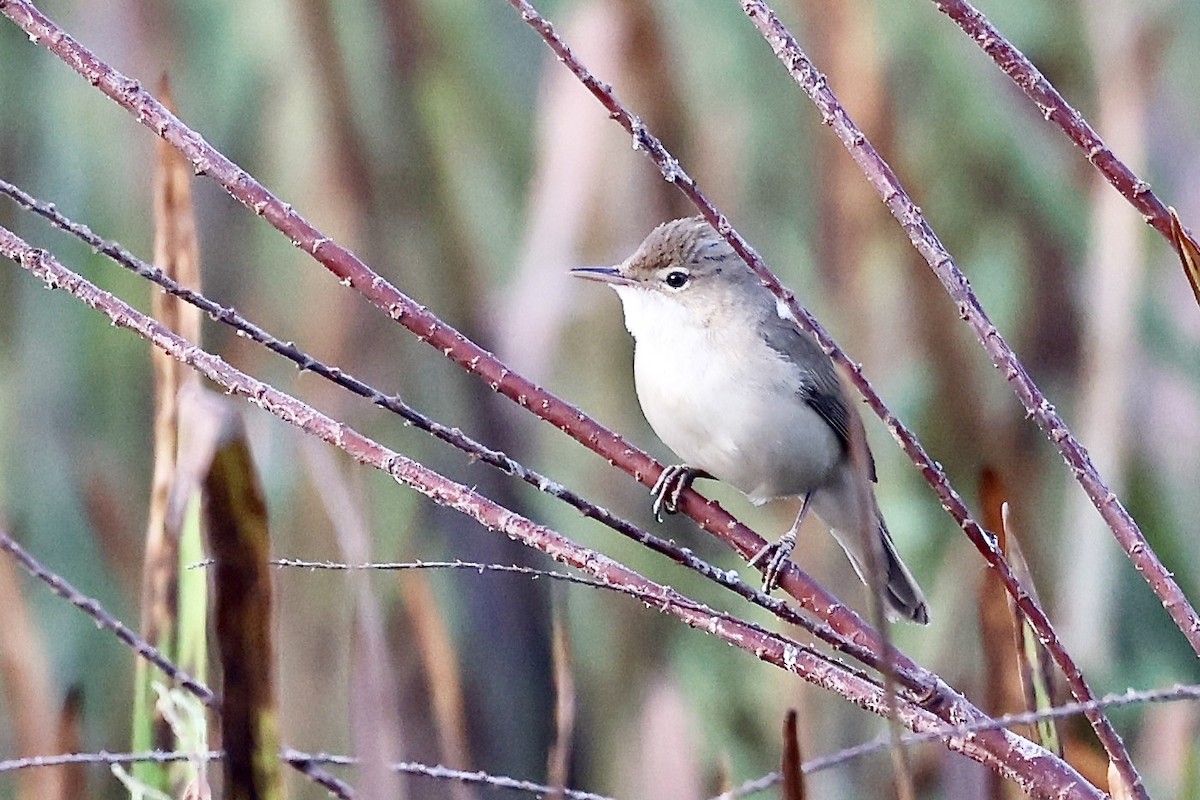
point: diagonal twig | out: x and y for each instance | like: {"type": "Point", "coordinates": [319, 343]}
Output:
{"type": "Point", "coordinates": [106, 621]}
{"type": "Point", "coordinates": [883, 179]}
{"type": "Point", "coordinates": [1054, 108]}
{"type": "Point", "coordinates": [1032, 767]}
{"type": "Point", "coordinates": [353, 272]}
{"type": "Point", "coordinates": [916, 680]}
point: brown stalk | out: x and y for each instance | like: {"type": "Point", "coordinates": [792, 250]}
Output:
{"type": "Point", "coordinates": [997, 632]}
{"type": "Point", "coordinates": [177, 255]}
{"type": "Point", "coordinates": [1033, 666]}
{"type": "Point", "coordinates": [1189, 253]}
{"type": "Point", "coordinates": [25, 678]}
{"type": "Point", "coordinates": [793, 760]}
{"type": "Point", "coordinates": [236, 527]}
{"type": "Point", "coordinates": [559, 761]}
{"type": "Point", "coordinates": [1037, 771]}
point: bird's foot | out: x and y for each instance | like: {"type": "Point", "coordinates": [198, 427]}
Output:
{"type": "Point", "coordinates": [775, 556]}
{"type": "Point", "coordinates": [670, 485]}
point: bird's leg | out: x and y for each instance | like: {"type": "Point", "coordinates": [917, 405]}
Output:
{"type": "Point", "coordinates": [670, 485]}
{"type": "Point", "coordinates": [777, 553]}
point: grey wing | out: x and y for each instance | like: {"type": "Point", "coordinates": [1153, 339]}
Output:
{"type": "Point", "coordinates": [821, 388]}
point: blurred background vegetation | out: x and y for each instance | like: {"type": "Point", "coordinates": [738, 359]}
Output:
{"type": "Point", "coordinates": [440, 141]}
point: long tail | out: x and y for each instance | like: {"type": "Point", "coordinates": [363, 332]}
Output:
{"type": "Point", "coordinates": [902, 594]}
{"type": "Point", "coordinates": [835, 505]}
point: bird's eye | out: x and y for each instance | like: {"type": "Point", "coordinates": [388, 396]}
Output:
{"type": "Point", "coordinates": [676, 278]}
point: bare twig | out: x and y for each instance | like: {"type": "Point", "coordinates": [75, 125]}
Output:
{"type": "Point", "coordinates": [1054, 108]}
{"type": "Point", "coordinates": [351, 271]}
{"type": "Point", "coordinates": [105, 621]}
{"type": "Point", "coordinates": [926, 242]}
{"type": "Point", "coordinates": [907, 673]}
{"type": "Point", "coordinates": [1034, 769]}
{"type": "Point", "coordinates": [906, 212]}
{"type": "Point", "coordinates": [295, 757]}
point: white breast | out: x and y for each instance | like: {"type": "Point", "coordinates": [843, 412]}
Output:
{"type": "Point", "coordinates": [724, 401]}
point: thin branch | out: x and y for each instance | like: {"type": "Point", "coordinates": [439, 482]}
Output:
{"type": "Point", "coordinates": [926, 242]}
{"type": "Point", "coordinates": [646, 596]}
{"type": "Point", "coordinates": [917, 680]}
{"type": "Point", "coordinates": [103, 757]}
{"type": "Point", "coordinates": [1054, 108]}
{"type": "Point", "coordinates": [1178, 693]}
{"type": "Point", "coordinates": [1016, 758]}
{"type": "Point", "coordinates": [297, 758]}
{"type": "Point", "coordinates": [104, 620]}
{"type": "Point", "coordinates": [476, 777]}
{"type": "Point", "coordinates": [351, 271]}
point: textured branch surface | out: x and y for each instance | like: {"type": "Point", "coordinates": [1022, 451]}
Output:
{"type": "Point", "coordinates": [1035, 769]}
{"type": "Point", "coordinates": [832, 112]}
{"type": "Point", "coordinates": [917, 680]}
{"type": "Point", "coordinates": [923, 238]}
{"type": "Point", "coordinates": [351, 271]}
{"type": "Point", "coordinates": [921, 234]}
{"type": "Point", "coordinates": [1054, 107]}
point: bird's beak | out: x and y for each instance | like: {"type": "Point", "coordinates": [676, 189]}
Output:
{"type": "Point", "coordinates": [609, 275]}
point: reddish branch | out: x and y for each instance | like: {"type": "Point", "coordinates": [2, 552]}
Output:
{"type": "Point", "coordinates": [921, 234]}
{"type": "Point", "coordinates": [351, 271]}
{"type": "Point", "coordinates": [923, 238]}
{"type": "Point", "coordinates": [885, 182]}
{"type": "Point", "coordinates": [1036, 770]}
{"type": "Point", "coordinates": [1013, 63]}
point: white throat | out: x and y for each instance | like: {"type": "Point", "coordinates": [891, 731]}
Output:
{"type": "Point", "coordinates": [652, 317]}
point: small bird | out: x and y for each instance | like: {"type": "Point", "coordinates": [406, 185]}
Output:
{"type": "Point", "coordinates": [741, 394]}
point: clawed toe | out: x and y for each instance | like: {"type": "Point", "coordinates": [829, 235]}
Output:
{"type": "Point", "coordinates": [670, 485]}
{"type": "Point", "coordinates": [775, 555]}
